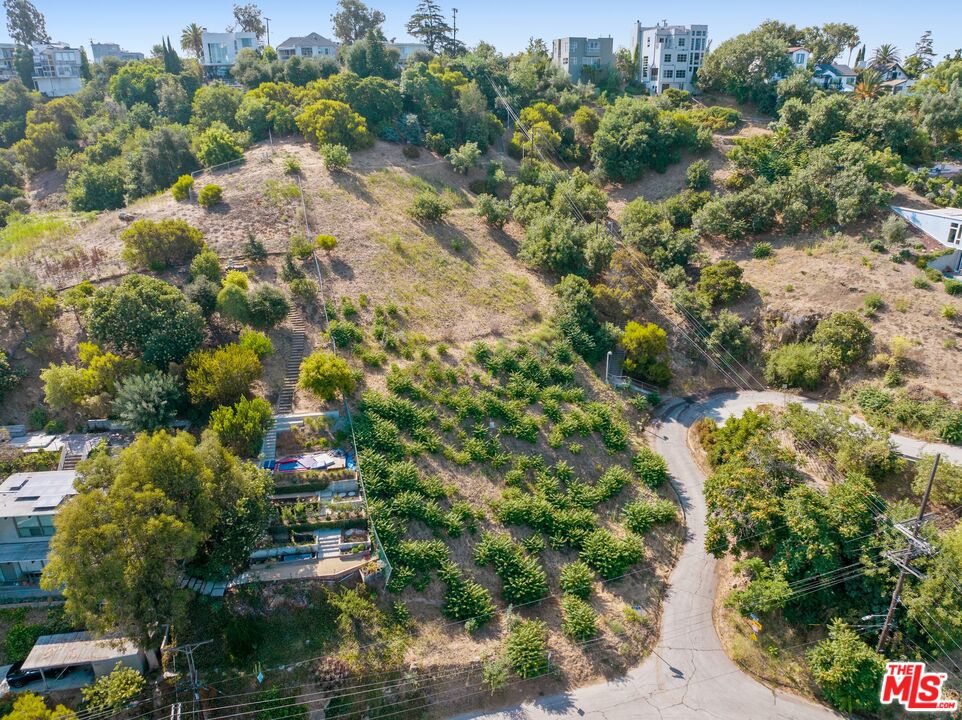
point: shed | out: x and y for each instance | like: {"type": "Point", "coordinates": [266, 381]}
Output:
{"type": "Point", "coordinates": [55, 652]}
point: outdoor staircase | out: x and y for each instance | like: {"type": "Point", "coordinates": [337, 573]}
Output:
{"type": "Point", "coordinates": [285, 399]}
{"type": "Point", "coordinates": [329, 545]}
{"type": "Point", "coordinates": [69, 460]}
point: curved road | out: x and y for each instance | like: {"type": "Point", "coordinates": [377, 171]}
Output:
{"type": "Point", "coordinates": [689, 675]}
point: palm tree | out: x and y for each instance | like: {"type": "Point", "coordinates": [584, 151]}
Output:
{"type": "Point", "coordinates": [869, 85]}
{"type": "Point", "coordinates": [885, 54]}
{"type": "Point", "coordinates": [191, 40]}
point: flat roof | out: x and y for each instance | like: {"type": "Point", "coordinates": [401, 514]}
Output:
{"type": "Point", "coordinates": [77, 648]}
{"type": "Point", "coordinates": [35, 493]}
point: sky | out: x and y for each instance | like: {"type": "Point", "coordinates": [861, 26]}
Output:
{"type": "Point", "coordinates": [138, 25]}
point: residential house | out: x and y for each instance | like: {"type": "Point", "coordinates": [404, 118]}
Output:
{"type": "Point", "coordinates": [894, 78]}
{"type": "Point", "coordinates": [573, 54]}
{"type": "Point", "coordinates": [799, 57]}
{"type": "Point", "coordinates": [7, 68]}
{"type": "Point", "coordinates": [309, 46]}
{"type": "Point", "coordinates": [56, 69]}
{"type": "Point", "coordinates": [407, 50]}
{"type": "Point", "coordinates": [105, 50]}
{"type": "Point", "coordinates": [220, 50]}
{"type": "Point", "coordinates": [944, 225]}
{"type": "Point", "coordinates": [834, 76]}
{"type": "Point", "coordinates": [669, 55]}
{"type": "Point", "coordinates": [28, 503]}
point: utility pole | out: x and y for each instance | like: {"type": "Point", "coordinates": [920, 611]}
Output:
{"type": "Point", "coordinates": [192, 675]}
{"type": "Point", "coordinates": [454, 27]}
{"type": "Point", "coordinates": [268, 30]}
{"type": "Point", "coordinates": [903, 558]}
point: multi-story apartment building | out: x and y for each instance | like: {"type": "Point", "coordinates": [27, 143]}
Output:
{"type": "Point", "coordinates": [574, 54]}
{"type": "Point", "coordinates": [105, 50]}
{"type": "Point", "coordinates": [7, 68]}
{"type": "Point", "coordinates": [220, 50]}
{"type": "Point", "coordinates": [56, 69]}
{"type": "Point", "coordinates": [312, 45]}
{"type": "Point", "coordinates": [669, 55]}
{"type": "Point", "coordinates": [28, 503]}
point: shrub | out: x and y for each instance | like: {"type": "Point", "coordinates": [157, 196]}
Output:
{"type": "Point", "coordinates": [329, 122]}
{"type": "Point", "coordinates": [345, 333]}
{"type": "Point", "coordinates": [493, 211]}
{"type": "Point", "coordinates": [953, 287]}
{"type": "Point", "coordinates": [412, 152]}
{"type": "Point", "coordinates": [97, 187]}
{"type": "Point", "coordinates": [795, 365]}
{"type": "Point", "coordinates": [698, 175]}
{"type": "Point", "coordinates": [641, 515]}
{"type": "Point", "coordinates": [578, 621]}
{"type": "Point", "coordinates": [721, 283]}
{"type": "Point", "coordinates": [256, 341]}
{"type": "Point", "coordinates": [292, 165]}
{"type": "Point", "coordinates": [147, 402]}
{"type": "Point", "coordinates": [254, 249]}
{"type": "Point", "coordinates": [464, 599]}
{"type": "Point", "coordinates": [577, 579]}
{"type": "Point", "coordinates": [949, 312]}
{"type": "Point", "coordinates": [646, 352]}
{"type": "Point", "coordinates": [210, 195]}
{"type": "Point", "coordinates": [465, 157]}
{"type": "Point", "coordinates": [650, 467]}
{"type": "Point", "coordinates": [326, 375]}
{"type": "Point", "coordinates": [162, 244]}
{"type": "Point", "coordinates": [266, 307]}
{"type": "Point", "coordinates": [242, 426]}
{"type": "Point", "coordinates": [894, 229]}
{"type": "Point", "coordinates": [761, 250]}
{"type": "Point", "coordinates": [848, 672]}
{"type": "Point", "coordinates": [336, 157]}
{"type": "Point", "coordinates": [327, 243]}
{"type": "Point", "coordinates": [609, 556]}
{"type": "Point", "coordinates": [921, 282]}
{"type": "Point", "coordinates": [526, 648]}
{"type": "Point", "coordinates": [205, 264]}
{"type": "Point", "coordinates": [428, 207]}
{"type": "Point", "coordinates": [843, 339]}
{"type": "Point", "coordinates": [222, 375]}
{"type": "Point", "coordinates": [217, 145]}
{"type": "Point", "coordinates": [181, 189]}
{"type": "Point", "coordinates": [114, 691]}
{"type": "Point", "coordinates": [304, 289]}
{"type": "Point", "coordinates": [232, 303]}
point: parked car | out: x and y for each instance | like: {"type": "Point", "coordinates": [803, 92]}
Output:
{"type": "Point", "coordinates": [945, 170]}
{"type": "Point", "coordinates": [18, 678]}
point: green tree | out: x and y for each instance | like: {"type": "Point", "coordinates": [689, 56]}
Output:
{"type": "Point", "coordinates": [242, 426]}
{"type": "Point", "coordinates": [250, 19]}
{"type": "Point", "coordinates": [576, 318]}
{"type": "Point", "coordinates": [192, 40]}
{"type": "Point", "coordinates": [526, 648]}
{"type": "Point", "coordinates": [369, 57]}
{"type": "Point", "coordinates": [161, 244]}
{"type": "Point", "coordinates": [332, 122]}
{"type": "Point", "coordinates": [646, 352]}
{"type": "Point", "coordinates": [115, 690]}
{"type": "Point", "coordinates": [136, 82]}
{"type": "Point", "coordinates": [217, 145]}
{"type": "Point", "coordinates": [353, 20]}
{"type": "Point", "coordinates": [28, 706]}
{"type": "Point", "coordinates": [206, 263]}
{"type": "Point", "coordinates": [428, 23]}
{"type": "Point", "coordinates": [848, 672]}
{"type": "Point", "coordinates": [610, 556]}
{"type": "Point", "coordinates": [266, 307]}
{"type": "Point", "coordinates": [90, 385]}
{"type": "Point", "coordinates": [156, 158]}
{"type": "Point", "coordinates": [256, 341]}
{"type": "Point", "coordinates": [744, 66]}
{"type": "Point", "coordinates": [843, 339]}
{"type": "Point", "coordinates": [222, 375]}
{"type": "Point", "coordinates": [795, 365]}
{"type": "Point", "coordinates": [29, 310]}
{"type": "Point", "coordinates": [216, 103]}
{"type": "Point", "coordinates": [577, 579]}
{"type": "Point", "coordinates": [97, 187]}
{"type": "Point", "coordinates": [336, 157]}
{"type": "Point", "coordinates": [721, 283]}
{"type": "Point", "coordinates": [326, 375]}
{"type": "Point", "coordinates": [25, 24]}
{"type": "Point", "coordinates": [9, 376]}
{"type": "Point", "coordinates": [147, 317]}
{"type": "Point", "coordinates": [232, 304]}
{"type": "Point", "coordinates": [465, 157]}
{"type": "Point", "coordinates": [147, 402]}
{"type": "Point", "coordinates": [579, 622]}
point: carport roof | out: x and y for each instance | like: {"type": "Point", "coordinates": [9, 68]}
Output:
{"type": "Point", "coordinates": [77, 648]}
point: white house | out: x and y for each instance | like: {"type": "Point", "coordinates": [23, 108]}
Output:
{"type": "Point", "coordinates": [7, 69]}
{"type": "Point", "coordinates": [56, 69]}
{"type": "Point", "coordinates": [669, 55]}
{"type": "Point", "coordinates": [800, 57]}
{"type": "Point", "coordinates": [944, 225]}
{"type": "Point", "coordinates": [572, 54]}
{"type": "Point", "coordinates": [407, 49]}
{"type": "Point", "coordinates": [834, 76]}
{"type": "Point", "coordinates": [28, 503]}
{"type": "Point", "coordinates": [220, 50]}
{"type": "Point", "coordinates": [308, 46]}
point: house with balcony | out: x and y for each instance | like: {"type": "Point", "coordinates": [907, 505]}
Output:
{"type": "Point", "coordinates": [308, 46]}
{"type": "Point", "coordinates": [56, 69]}
{"type": "Point", "coordinates": [28, 503]}
{"type": "Point", "coordinates": [105, 50]}
{"type": "Point", "coordinates": [573, 54]}
{"type": "Point", "coordinates": [669, 56]}
{"type": "Point", "coordinates": [7, 68]}
{"type": "Point", "coordinates": [220, 51]}
{"type": "Point", "coordinates": [834, 76]}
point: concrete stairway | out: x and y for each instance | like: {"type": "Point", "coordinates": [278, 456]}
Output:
{"type": "Point", "coordinates": [69, 460]}
{"type": "Point", "coordinates": [285, 398]}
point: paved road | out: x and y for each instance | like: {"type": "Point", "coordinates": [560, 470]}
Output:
{"type": "Point", "coordinates": [689, 675]}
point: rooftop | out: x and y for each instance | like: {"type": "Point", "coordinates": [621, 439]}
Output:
{"type": "Point", "coordinates": [35, 493]}
{"type": "Point", "coordinates": [76, 648]}
{"type": "Point", "coordinates": [307, 40]}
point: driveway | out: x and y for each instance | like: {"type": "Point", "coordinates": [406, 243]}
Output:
{"type": "Point", "coordinates": [688, 675]}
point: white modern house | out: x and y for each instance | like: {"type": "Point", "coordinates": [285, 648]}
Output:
{"type": "Point", "coordinates": [28, 503]}
{"type": "Point", "coordinates": [669, 55]}
{"type": "Point", "coordinates": [56, 69]}
{"type": "Point", "coordinates": [834, 76]}
{"type": "Point", "coordinates": [220, 50]}
{"type": "Point", "coordinates": [308, 46]}
{"type": "Point", "coordinates": [105, 50]}
{"type": "Point", "coordinates": [572, 54]}
{"type": "Point", "coordinates": [7, 69]}
{"type": "Point", "coordinates": [944, 225]}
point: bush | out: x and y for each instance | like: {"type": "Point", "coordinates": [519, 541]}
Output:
{"type": "Point", "coordinates": [181, 189]}
{"type": "Point", "coordinates": [256, 341]}
{"type": "Point", "coordinates": [761, 250]}
{"type": "Point", "coordinates": [721, 283]}
{"type": "Point", "coordinates": [646, 352]}
{"type": "Point", "coordinates": [428, 207]}
{"type": "Point", "coordinates": [411, 152]}
{"type": "Point", "coordinates": [848, 672]}
{"type": "Point", "coordinates": [147, 402]}
{"type": "Point", "coordinates": [336, 156]}
{"type": "Point", "coordinates": [493, 211]}
{"type": "Point", "coordinates": [217, 145]}
{"type": "Point", "coordinates": [465, 599]}
{"type": "Point", "coordinates": [327, 243]}
{"type": "Point", "coordinates": [578, 621]}
{"type": "Point", "coordinates": [242, 427]}
{"type": "Point", "coordinates": [162, 244]}
{"type": "Point", "coordinates": [577, 579]}
{"type": "Point", "coordinates": [894, 230]}
{"type": "Point", "coordinates": [796, 365]}
{"type": "Point", "coordinates": [210, 195]}
{"type": "Point", "coordinates": [267, 307]}
{"type": "Point", "coordinates": [842, 339]}
{"type": "Point", "coordinates": [114, 691]}
{"type": "Point", "coordinates": [345, 333]}
{"type": "Point", "coordinates": [609, 556]}
{"type": "Point", "coordinates": [698, 175]}
{"type": "Point", "coordinates": [97, 187]}
{"type": "Point", "coordinates": [641, 515]}
{"type": "Point", "coordinates": [329, 122]}
{"type": "Point", "coordinates": [465, 157]}
{"type": "Point", "coordinates": [326, 375]}
{"type": "Point", "coordinates": [526, 648]}
{"type": "Point", "coordinates": [205, 264]}
{"type": "Point", "coordinates": [953, 287]}
{"type": "Point", "coordinates": [650, 467]}
{"type": "Point", "coordinates": [223, 375]}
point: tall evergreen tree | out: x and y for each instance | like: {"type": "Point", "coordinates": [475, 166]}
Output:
{"type": "Point", "coordinates": [428, 24]}
{"type": "Point", "coordinates": [25, 24]}
{"type": "Point", "coordinates": [354, 20]}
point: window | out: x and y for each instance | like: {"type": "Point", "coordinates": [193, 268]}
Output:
{"type": "Point", "coordinates": [955, 235]}
{"type": "Point", "coordinates": [36, 526]}
{"type": "Point", "coordinates": [574, 46]}
{"type": "Point", "coordinates": [680, 74]}
{"type": "Point", "coordinates": [668, 74]}
{"type": "Point", "coordinates": [681, 42]}
{"type": "Point", "coordinates": [667, 58]}
{"type": "Point", "coordinates": [307, 52]}
{"type": "Point", "coordinates": [682, 58]}
{"type": "Point", "coordinates": [594, 46]}
{"type": "Point", "coordinates": [799, 58]}
{"type": "Point", "coordinates": [696, 58]}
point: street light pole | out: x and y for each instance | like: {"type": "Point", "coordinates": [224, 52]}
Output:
{"type": "Point", "coordinates": [607, 365]}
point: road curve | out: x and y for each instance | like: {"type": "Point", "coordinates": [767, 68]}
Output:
{"type": "Point", "coordinates": [689, 675]}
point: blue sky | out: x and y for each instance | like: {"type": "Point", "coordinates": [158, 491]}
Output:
{"type": "Point", "coordinates": [507, 25]}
